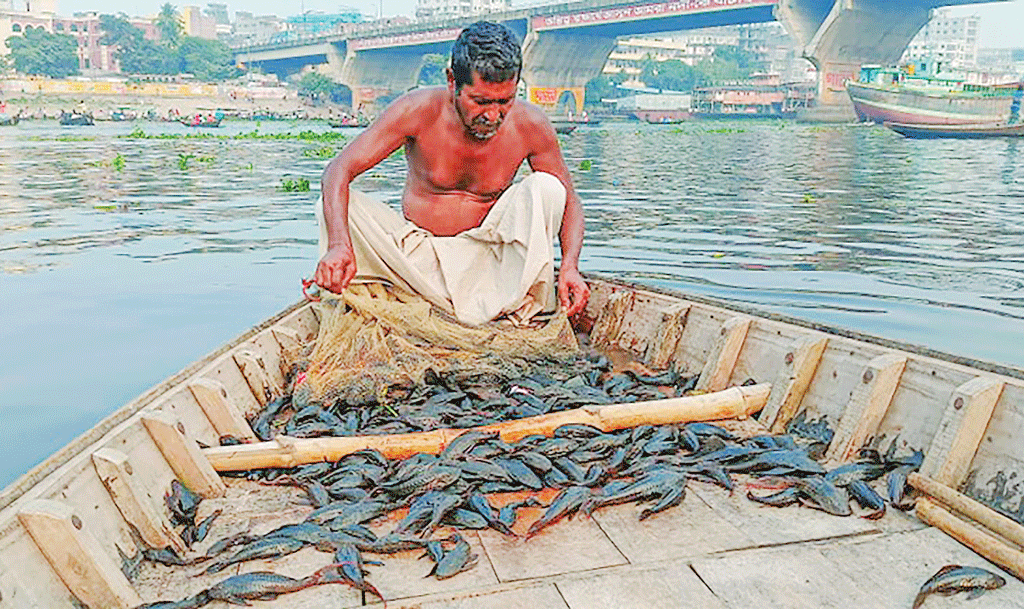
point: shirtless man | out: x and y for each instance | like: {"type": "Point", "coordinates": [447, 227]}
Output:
{"type": "Point", "coordinates": [463, 144]}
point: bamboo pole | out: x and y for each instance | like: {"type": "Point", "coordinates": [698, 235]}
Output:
{"type": "Point", "coordinates": [735, 402]}
{"type": "Point", "coordinates": [978, 512]}
{"type": "Point", "coordinates": [991, 548]}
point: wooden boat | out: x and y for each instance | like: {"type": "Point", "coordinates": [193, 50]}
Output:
{"type": "Point", "coordinates": [76, 119]}
{"type": "Point", "coordinates": [963, 131]}
{"type": "Point", "coordinates": [8, 120]}
{"type": "Point", "coordinates": [564, 127]}
{"type": "Point", "coordinates": [343, 123]}
{"type": "Point", "coordinates": [66, 525]}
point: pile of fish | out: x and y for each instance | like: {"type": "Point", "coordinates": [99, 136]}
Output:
{"type": "Point", "coordinates": [591, 468]}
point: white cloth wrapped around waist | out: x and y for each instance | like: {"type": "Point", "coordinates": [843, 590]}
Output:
{"type": "Point", "coordinates": [504, 267]}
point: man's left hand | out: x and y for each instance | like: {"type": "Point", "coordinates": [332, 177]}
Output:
{"type": "Point", "coordinates": [573, 291]}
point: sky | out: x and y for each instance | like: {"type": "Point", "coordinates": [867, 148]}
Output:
{"type": "Point", "coordinates": [1002, 23]}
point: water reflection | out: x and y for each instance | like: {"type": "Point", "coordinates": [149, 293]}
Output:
{"type": "Point", "coordinates": [114, 277]}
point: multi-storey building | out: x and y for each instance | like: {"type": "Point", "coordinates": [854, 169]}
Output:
{"type": "Point", "coordinates": [630, 53]}
{"type": "Point", "coordinates": [444, 9]}
{"type": "Point", "coordinates": [945, 43]}
{"type": "Point", "coordinates": [93, 56]}
{"type": "Point", "coordinates": [197, 23]}
{"type": "Point", "coordinates": [254, 29]}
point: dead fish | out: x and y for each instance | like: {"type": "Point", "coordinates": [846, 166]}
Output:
{"type": "Point", "coordinates": [271, 547]}
{"type": "Point", "coordinates": [956, 578]}
{"type": "Point", "coordinates": [460, 558]}
{"type": "Point", "coordinates": [182, 503]}
{"type": "Point", "coordinates": [565, 504]}
{"type": "Point", "coordinates": [349, 563]}
{"type": "Point", "coordinates": [195, 534]}
{"type": "Point", "coordinates": [819, 493]}
{"type": "Point", "coordinates": [507, 514]}
{"type": "Point", "coordinates": [782, 498]}
{"type": "Point", "coordinates": [867, 498]}
{"type": "Point", "coordinates": [192, 602]}
{"type": "Point", "coordinates": [478, 502]}
{"type": "Point", "coordinates": [258, 585]}
{"type": "Point", "coordinates": [671, 498]}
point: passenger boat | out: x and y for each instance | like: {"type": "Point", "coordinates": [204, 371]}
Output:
{"type": "Point", "coordinates": [68, 527]}
{"type": "Point", "coordinates": [893, 95]}
{"type": "Point", "coordinates": [964, 131]}
{"type": "Point", "coordinates": [201, 121]}
{"type": "Point", "coordinates": [76, 118]}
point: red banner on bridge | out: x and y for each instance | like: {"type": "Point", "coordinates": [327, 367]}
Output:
{"type": "Point", "coordinates": [641, 11]}
{"type": "Point", "coordinates": [408, 38]}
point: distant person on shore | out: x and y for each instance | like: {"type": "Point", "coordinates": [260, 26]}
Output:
{"type": "Point", "coordinates": [471, 242]}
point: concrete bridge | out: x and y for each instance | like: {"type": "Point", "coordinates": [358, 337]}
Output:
{"type": "Point", "coordinates": [566, 45]}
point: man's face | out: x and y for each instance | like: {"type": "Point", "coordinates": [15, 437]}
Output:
{"type": "Point", "coordinates": [482, 105]}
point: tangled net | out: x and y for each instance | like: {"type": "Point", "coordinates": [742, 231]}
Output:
{"type": "Point", "coordinates": [374, 338]}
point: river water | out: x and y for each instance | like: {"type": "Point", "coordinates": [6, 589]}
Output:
{"type": "Point", "coordinates": [123, 260]}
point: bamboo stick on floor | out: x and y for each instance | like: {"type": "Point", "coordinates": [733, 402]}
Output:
{"type": "Point", "coordinates": [732, 403]}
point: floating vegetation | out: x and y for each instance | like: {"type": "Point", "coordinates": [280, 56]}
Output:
{"type": "Point", "coordinates": [319, 153]}
{"type": "Point", "coordinates": [808, 199]}
{"type": "Point", "coordinates": [183, 160]}
{"type": "Point", "coordinates": [586, 164]}
{"type": "Point", "coordinates": [118, 162]}
{"type": "Point", "coordinates": [725, 130]}
{"type": "Point", "coordinates": [304, 136]}
{"type": "Point", "coordinates": [298, 185]}
{"type": "Point", "coordinates": [62, 138]}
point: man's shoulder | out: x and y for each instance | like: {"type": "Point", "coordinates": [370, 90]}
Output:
{"type": "Point", "coordinates": [531, 113]}
{"type": "Point", "coordinates": [424, 98]}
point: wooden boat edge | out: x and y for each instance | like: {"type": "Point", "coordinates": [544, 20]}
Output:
{"type": "Point", "coordinates": [38, 472]}
{"type": "Point", "coordinates": [651, 300]}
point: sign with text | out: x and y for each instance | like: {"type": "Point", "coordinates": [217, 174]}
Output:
{"type": "Point", "coordinates": [406, 39]}
{"type": "Point", "coordinates": [641, 11]}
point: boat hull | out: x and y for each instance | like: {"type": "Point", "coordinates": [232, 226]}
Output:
{"type": "Point", "coordinates": [880, 104]}
{"type": "Point", "coordinates": [969, 131]}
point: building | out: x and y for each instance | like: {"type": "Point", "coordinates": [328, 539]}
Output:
{"type": "Point", "coordinates": [256, 29]}
{"type": "Point", "coordinates": [946, 42]}
{"type": "Point", "coordinates": [94, 57]}
{"type": "Point", "coordinates": [775, 52]}
{"type": "Point", "coordinates": [198, 24]}
{"type": "Point", "coordinates": [629, 54]}
{"type": "Point", "coordinates": [447, 9]}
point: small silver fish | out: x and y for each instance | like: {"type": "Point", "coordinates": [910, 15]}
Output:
{"type": "Point", "coordinates": [956, 578]}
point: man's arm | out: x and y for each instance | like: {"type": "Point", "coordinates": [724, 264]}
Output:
{"type": "Point", "coordinates": [573, 291]}
{"type": "Point", "coordinates": [338, 266]}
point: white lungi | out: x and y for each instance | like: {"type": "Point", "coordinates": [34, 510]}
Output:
{"type": "Point", "coordinates": [505, 266]}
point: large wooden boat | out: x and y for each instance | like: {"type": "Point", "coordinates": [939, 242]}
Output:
{"type": "Point", "coordinates": [78, 119]}
{"type": "Point", "coordinates": [965, 131]}
{"type": "Point", "coordinates": [67, 527]}
{"type": "Point", "coordinates": [882, 95]}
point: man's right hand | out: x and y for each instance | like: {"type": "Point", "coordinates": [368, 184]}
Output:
{"type": "Point", "coordinates": [336, 269]}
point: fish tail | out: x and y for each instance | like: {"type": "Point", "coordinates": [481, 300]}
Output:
{"type": "Point", "coordinates": [919, 599]}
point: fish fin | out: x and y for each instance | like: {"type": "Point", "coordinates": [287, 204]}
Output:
{"type": "Point", "coordinates": [975, 593]}
{"type": "Point", "coordinates": [945, 570]}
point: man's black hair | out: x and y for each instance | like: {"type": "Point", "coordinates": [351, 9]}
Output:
{"type": "Point", "coordinates": [489, 49]}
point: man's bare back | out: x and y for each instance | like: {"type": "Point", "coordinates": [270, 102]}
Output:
{"type": "Point", "coordinates": [464, 144]}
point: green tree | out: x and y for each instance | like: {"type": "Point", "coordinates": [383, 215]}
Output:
{"type": "Point", "coordinates": [134, 53]}
{"type": "Point", "coordinates": [315, 85]}
{"type": "Point", "coordinates": [209, 60]}
{"type": "Point", "coordinates": [604, 87]}
{"type": "Point", "coordinates": [168, 23]}
{"type": "Point", "coordinates": [673, 75]}
{"type": "Point", "coordinates": [433, 70]}
{"type": "Point", "coordinates": [39, 52]}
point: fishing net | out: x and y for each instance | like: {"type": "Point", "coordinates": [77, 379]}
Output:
{"type": "Point", "coordinates": [374, 338]}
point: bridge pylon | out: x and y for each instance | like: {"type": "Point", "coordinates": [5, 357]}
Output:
{"type": "Point", "coordinates": [558, 65]}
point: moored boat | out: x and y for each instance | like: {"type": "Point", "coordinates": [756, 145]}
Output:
{"type": "Point", "coordinates": [7, 120]}
{"type": "Point", "coordinates": [564, 127]}
{"type": "Point", "coordinates": [70, 526]}
{"type": "Point", "coordinates": [201, 121]}
{"type": "Point", "coordinates": [883, 95]}
{"type": "Point", "coordinates": [76, 118]}
{"type": "Point", "coordinates": [964, 131]}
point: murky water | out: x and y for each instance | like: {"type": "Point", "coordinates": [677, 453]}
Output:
{"type": "Point", "coordinates": [118, 271]}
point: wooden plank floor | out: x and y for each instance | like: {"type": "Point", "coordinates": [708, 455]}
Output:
{"type": "Point", "coordinates": [717, 551]}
